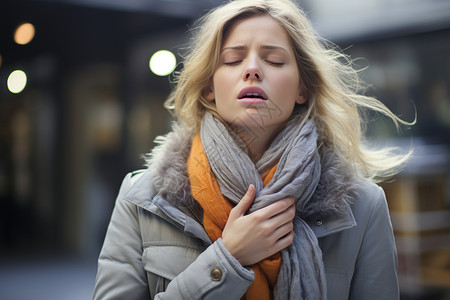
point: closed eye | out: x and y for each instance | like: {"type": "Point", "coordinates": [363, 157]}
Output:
{"type": "Point", "coordinates": [278, 64]}
{"type": "Point", "coordinates": [232, 63]}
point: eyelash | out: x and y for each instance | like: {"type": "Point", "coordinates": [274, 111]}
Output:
{"type": "Point", "coordinates": [275, 63]}
{"type": "Point", "coordinates": [233, 63]}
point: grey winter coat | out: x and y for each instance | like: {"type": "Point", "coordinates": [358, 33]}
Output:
{"type": "Point", "coordinates": [156, 247]}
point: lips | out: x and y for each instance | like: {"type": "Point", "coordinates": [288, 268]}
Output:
{"type": "Point", "coordinates": [252, 92]}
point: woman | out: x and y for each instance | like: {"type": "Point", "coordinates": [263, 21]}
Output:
{"type": "Point", "coordinates": [263, 189]}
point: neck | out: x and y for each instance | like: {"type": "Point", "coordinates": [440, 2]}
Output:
{"type": "Point", "coordinates": [257, 140]}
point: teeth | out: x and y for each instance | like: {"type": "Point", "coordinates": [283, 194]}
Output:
{"type": "Point", "coordinates": [253, 95]}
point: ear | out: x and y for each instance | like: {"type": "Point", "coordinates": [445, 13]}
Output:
{"type": "Point", "coordinates": [209, 93]}
{"type": "Point", "coordinates": [302, 97]}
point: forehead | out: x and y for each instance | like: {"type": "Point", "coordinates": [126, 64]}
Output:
{"type": "Point", "coordinates": [263, 29]}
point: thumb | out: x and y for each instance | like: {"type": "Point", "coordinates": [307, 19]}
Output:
{"type": "Point", "coordinates": [242, 207]}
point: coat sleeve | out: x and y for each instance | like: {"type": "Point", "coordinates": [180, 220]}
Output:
{"type": "Point", "coordinates": [120, 273]}
{"type": "Point", "coordinates": [375, 275]}
{"type": "Point", "coordinates": [215, 274]}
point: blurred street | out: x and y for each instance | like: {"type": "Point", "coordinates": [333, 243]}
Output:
{"type": "Point", "coordinates": [47, 279]}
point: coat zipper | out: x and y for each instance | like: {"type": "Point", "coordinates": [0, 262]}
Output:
{"type": "Point", "coordinates": [197, 218]}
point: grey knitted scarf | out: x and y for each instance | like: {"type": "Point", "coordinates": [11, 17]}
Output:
{"type": "Point", "coordinates": [302, 274]}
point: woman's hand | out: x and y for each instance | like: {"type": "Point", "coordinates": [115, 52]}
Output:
{"type": "Point", "coordinates": [254, 237]}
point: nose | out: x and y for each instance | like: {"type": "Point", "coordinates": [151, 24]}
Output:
{"type": "Point", "coordinates": [252, 71]}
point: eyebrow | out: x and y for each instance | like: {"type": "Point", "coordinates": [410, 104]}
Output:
{"type": "Point", "coordinates": [265, 47]}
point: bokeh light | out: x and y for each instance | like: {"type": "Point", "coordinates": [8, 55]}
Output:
{"type": "Point", "coordinates": [24, 33]}
{"type": "Point", "coordinates": [163, 62]}
{"type": "Point", "coordinates": [17, 81]}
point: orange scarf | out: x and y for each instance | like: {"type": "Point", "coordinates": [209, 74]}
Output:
{"type": "Point", "coordinates": [217, 208]}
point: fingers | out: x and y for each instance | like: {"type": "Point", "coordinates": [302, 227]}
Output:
{"type": "Point", "coordinates": [284, 216]}
{"type": "Point", "coordinates": [281, 225]}
{"type": "Point", "coordinates": [279, 229]}
{"type": "Point", "coordinates": [253, 237]}
{"type": "Point", "coordinates": [242, 207]}
{"type": "Point", "coordinates": [284, 242]}
{"type": "Point", "coordinates": [283, 230]}
{"type": "Point", "coordinates": [277, 208]}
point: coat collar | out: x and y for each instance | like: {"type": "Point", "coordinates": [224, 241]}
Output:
{"type": "Point", "coordinates": [143, 194]}
{"type": "Point", "coordinates": [332, 223]}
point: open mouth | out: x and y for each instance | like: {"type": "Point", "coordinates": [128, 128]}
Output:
{"type": "Point", "coordinates": [253, 95]}
{"type": "Point", "coordinates": [252, 92]}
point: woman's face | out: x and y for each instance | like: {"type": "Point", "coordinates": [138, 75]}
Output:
{"type": "Point", "coordinates": [257, 81]}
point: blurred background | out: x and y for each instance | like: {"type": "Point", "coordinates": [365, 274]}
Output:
{"type": "Point", "coordinates": [80, 103]}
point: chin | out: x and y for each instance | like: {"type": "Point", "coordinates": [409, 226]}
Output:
{"type": "Point", "coordinates": [247, 120]}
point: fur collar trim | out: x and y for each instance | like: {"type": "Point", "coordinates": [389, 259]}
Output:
{"type": "Point", "coordinates": [167, 162]}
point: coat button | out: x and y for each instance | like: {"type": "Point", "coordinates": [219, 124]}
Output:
{"type": "Point", "coordinates": [318, 222]}
{"type": "Point", "coordinates": [216, 274]}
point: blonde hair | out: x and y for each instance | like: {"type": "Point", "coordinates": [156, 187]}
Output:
{"type": "Point", "coordinates": [335, 91]}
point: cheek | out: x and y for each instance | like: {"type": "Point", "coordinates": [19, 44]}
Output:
{"type": "Point", "coordinates": [218, 82]}
{"type": "Point", "coordinates": [220, 87]}
{"type": "Point", "coordinates": [288, 86]}
{"type": "Point", "coordinates": [223, 84]}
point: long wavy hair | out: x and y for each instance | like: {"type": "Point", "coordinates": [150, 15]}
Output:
{"type": "Point", "coordinates": [336, 100]}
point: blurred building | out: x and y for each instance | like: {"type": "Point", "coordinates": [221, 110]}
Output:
{"type": "Point", "coordinates": [91, 107]}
